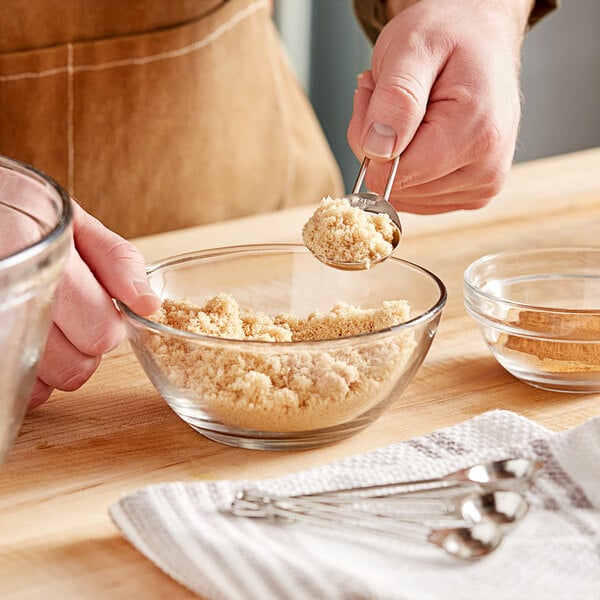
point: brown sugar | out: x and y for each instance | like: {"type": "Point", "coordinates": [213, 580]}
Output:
{"type": "Point", "coordinates": [575, 347]}
{"type": "Point", "coordinates": [341, 233]}
{"type": "Point", "coordinates": [279, 387]}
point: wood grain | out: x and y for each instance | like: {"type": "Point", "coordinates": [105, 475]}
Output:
{"type": "Point", "coordinates": [80, 452]}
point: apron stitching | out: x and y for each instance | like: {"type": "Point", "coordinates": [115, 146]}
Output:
{"type": "Point", "coordinates": [31, 75]}
{"type": "Point", "coordinates": [205, 41]}
{"type": "Point", "coordinates": [285, 124]}
{"type": "Point", "coordinates": [70, 124]}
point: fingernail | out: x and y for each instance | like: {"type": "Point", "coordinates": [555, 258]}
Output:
{"type": "Point", "coordinates": [380, 140]}
{"type": "Point", "coordinates": [362, 81]}
{"type": "Point", "coordinates": [142, 288]}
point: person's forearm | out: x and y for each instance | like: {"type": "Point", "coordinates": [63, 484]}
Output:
{"type": "Point", "coordinates": [374, 14]}
{"type": "Point", "coordinates": [520, 9]}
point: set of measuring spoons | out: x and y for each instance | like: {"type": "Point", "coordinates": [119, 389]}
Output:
{"type": "Point", "coordinates": [466, 513]}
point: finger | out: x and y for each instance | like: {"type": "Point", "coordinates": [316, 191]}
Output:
{"type": "Point", "coordinates": [63, 366]}
{"type": "Point", "coordinates": [84, 311]}
{"type": "Point", "coordinates": [478, 179]}
{"type": "Point", "coordinates": [362, 97]}
{"type": "Point", "coordinates": [115, 262]}
{"type": "Point", "coordinates": [444, 157]}
{"type": "Point", "coordinates": [398, 103]}
{"type": "Point", "coordinates": [426, 205]}
{"type": "Point", "coordinates": [450, 140]}
{"type": "Point", "coordinates": [41, 392]}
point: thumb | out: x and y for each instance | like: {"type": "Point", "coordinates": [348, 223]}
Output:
{"type": "Point", "coordinates": [116, 263]}
{"type": "Point", "coordinates": [403, 80]}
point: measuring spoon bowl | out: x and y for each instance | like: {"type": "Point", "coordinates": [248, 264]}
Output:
{"type": "Point", "coordinates": [468, 542]}
{"type": "Point", "coordinates": [501, 507]}
{"type": "Point", "coordinates": [375, 204]}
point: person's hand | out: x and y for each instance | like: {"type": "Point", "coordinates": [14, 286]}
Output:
{"type": "Point", "coordinates": [443, 92]}
{"type": "Point", "coordinates": [86, 323]}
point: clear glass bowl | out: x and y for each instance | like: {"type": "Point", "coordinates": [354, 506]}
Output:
{"type": "Point", "coordinates": [318, 391]}
{"type": "Point", "coordinates": [35, 233]}
{"type": "Point", "coordinates": [539, 311]}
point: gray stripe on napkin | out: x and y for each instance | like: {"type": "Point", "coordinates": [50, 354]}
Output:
{"type": "Point", "coordinates": [284, 578]}
{"type": "Point", "coordinates": [314, 578]}
{"type": "Point", "coordinates": [555, 473]}
{"type": "Point", "coordinates": [233, 570]}
{"type": "Point", "coordinates": [207, 571]}
{"type": "Point", "coordinates": [142, 513]}
{"type": "Point", "coordinates": [565, 486]}
{"type": "Point", "coordinates": [425, 449]}
{"type": "Point", "coordinates": [446, 442]}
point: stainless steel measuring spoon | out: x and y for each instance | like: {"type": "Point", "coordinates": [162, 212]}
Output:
{"type": "Point", "coordinates": [371, 203]}
{"type": "Point", "coordinates": [506, 474]}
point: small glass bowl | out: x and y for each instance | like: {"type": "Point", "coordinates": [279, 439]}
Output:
{"type": "Point", "coordinates": [284, 395]}
{"type": "Point", "coordinates": [539, 311]}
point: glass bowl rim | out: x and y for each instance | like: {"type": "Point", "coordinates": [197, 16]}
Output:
{"type": "Point", "coordinates": [478, 291]}
{"type": "Point", "coordinates": [155, 266]}
{"type": "Point", "coordinates": [48, 239]}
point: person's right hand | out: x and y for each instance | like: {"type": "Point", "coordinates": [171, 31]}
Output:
{"type": "Point", "coordinates": [86, 323]}
{"type": "Point", "coordinates": [443, 91]}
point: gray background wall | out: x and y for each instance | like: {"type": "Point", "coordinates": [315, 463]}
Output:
{"type": "Point", "coordinates": [560, 74]}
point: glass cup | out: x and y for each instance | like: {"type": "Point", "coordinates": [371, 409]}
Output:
{"type": "Point", "coordinates": [35, 236]}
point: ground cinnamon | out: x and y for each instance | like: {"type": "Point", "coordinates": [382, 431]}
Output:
{"type": "Point", "coordinates": [575, 347]}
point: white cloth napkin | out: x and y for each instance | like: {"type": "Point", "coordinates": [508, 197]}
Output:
{"type": "Point", "coordinates": [554, 553]}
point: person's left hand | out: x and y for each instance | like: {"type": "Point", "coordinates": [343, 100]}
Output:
{"type": "Point", "coordinates": [85, 321]}
{"type": "Point", "coordinates": [443, 92]}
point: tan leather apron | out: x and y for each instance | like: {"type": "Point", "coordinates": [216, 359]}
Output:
{"type": "Point", "coordinates": [158, 115]}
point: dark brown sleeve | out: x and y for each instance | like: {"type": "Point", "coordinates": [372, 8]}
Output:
{"type": "Point", "coordinates": [541, 9]}
{"type": "Point", "coordinates": [371, 14]}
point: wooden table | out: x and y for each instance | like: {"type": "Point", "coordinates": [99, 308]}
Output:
{"type": "Point", "coordinates": [80, 452]}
